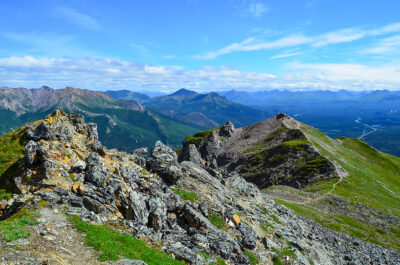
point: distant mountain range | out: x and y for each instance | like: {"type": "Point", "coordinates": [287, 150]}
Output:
{"type": "Point", "coordinates": [277, 97]}
{"type": "Point", "coordinates": [203, 111]}
{"type": "Point", "coordinates": [123, 124]}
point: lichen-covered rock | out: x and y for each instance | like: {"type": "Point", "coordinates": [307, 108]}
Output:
{"type": "Point", "coordinates": [34, 153]}
{"type": "Point", "coordinates": [41, 132]}
{"type": "Point", "coordinates": [96, 172]}
{"type": "Point", "coordinates": [248, 236]}
{"type": "Point", "coordinates": [164, 161]}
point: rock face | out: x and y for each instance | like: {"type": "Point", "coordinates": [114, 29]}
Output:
{"type": "Point", "coordinates": [111, 187]}
{"type": "Point", "coordinates": [274, 151]}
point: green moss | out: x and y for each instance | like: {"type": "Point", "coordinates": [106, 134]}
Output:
{"type": "Point", "coordinates": [240, 214]}
{"type": "Point", "coordinates": [275, 218]}
{"type": "Point", "coordinates": [280, 255]}
{"type": "Point", "coordinates": [266, 227]}
{"type": "Point", "coordinates": [216, 220]}
{"type": "Point", "coordinates": [4, 194]}
{"type": "Point", "coordinates": [252, 258]}
{"type": "Point", "coordinates": [296, 144]}
{"type": "Point", "coordinates": [204, 254]}
{"type": "Point", "coordinates": [72, 176]}
{"type": "Point", "coordinates": [186, 195]}
{"type": "Point", "coordinates": [262, 208]}
{"type": "Point", "coordinates": [265, 142]}
{"type": "Point", "coordinates": [15, 227]}
{"type": "Point", "coordinates": [220, 261]}
{"type": "Point", "coordinates": [144, 172]}
{"type": "Point", "coordinates": [114, 245]}
{"type": "Point", "coordinates": [318, 164]}
{"type": "Point", "coordinates": [42, 204]}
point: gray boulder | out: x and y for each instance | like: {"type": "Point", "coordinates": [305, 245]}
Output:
{"type": "Point", "coordinates": [248, 236]}
{"type": "Point", "coordinates": [34, 153]}
{"type": "Point", "coordinates": [41, 132]}
{"type": "Point", "coordinates": [92, 131]}
{"type": "Point", "coordinates": [164, 161]}
{"type": "Point", "coordinates": [96, 173]}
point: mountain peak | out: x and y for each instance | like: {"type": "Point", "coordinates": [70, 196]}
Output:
{"type": "Point", "coordinates": [184, 92]}
{"type": "Point", "coordinates": [264, 153]}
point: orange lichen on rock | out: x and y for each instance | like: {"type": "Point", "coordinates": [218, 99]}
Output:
{"type": "Point", "coordinates": [236, 219]}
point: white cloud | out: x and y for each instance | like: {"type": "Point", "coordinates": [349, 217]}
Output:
{"type": "Point", "coordinates": [78, 18]}
{"type": "Point", "coordinates": [245, 8]}
{"type": "Point", "coordinates": [108, 73]}
{"type": "Point", "coordinates": [285, 55]}
{"type": "Point", "coordinates": [345, 35]}
{"type": "Point", "coordinates": [388, 74]}
{"type": "Point", "coordinates": [334, 37]}
{"type": "Point", "coordinates": [385, 46]}
{"type": "Point", "coordinates": [252, 44]}
{"type": "Point", "coordinates": [257, 9]}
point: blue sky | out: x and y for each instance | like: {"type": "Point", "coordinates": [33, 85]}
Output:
{"type": "Point", "coordinates": [202, 45]}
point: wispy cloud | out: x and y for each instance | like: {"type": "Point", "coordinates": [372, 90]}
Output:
{"type": "Point", "coordinates": [257, 9]}
{"type": "Point", "coordinates": [252, 44]}
{"type": "Point", "coordinates": [108, 73]}
{"type": "Point", "coordinates": [44, 44]}
{"type": "Point", "coordinates": [250, 9]}
{"type": "Point", "coordinates": [78, 18]}
{"type": "Point", "coordinates": [385, 46]}
{"type": "Point", "coordinates": [335, 37]}
{"type": "Point", "coordinates": [286, 55]}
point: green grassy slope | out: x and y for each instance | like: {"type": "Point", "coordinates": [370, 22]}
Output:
{"type": "Point", "coordinates": [373, 181]}
{"type": "Point", "coordinates": [12, 148]}
{"type": "Point", "coordinates": [374, 176]}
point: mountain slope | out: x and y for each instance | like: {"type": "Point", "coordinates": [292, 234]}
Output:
{"type": "Point", "coordinates": [203, 110]}
{"type": "Point", "coordinates": [343, 184]}
{"type": "Point", "coordinates": [127, 94]}
{"type": "Point", "coordinates": [123, 124]}
{"type": "Point", "coordinates": [274, 151]}
{"type": "Point", "coordinates": [371, 115]}
{"type": "Point", "coordinates": [147, 208]}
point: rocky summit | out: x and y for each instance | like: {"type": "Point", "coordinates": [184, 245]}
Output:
{"type": "Point", "coordinates": [195, 210]}
{"type": "Point", "coordinates": [274, 151]}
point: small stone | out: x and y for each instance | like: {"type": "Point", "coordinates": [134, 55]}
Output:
{"type": "Point", "coordinates": [49, 237]}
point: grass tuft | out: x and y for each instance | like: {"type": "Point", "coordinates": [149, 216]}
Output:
{"type": "Point", "coordinates": [216, 220]}
{"type": "Point", "coordinates": [186, 195]}
{"type": "Point", "coordinates": [252, 258]}
{"type": "Point", "coordinates": [114, 245]}
{"type": "Point", "coordinates": [15, 227]}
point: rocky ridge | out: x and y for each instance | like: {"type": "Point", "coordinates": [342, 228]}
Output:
{"type": "Point", "coordinates": [271, 152]}
{"type": "Point", "coordinates": [66, 165]}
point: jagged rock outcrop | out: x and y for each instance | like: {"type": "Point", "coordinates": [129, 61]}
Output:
{"type": "Point", "coordinates": [224, 217]}
{"type": "Point", "coordinates": [274, 151]}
